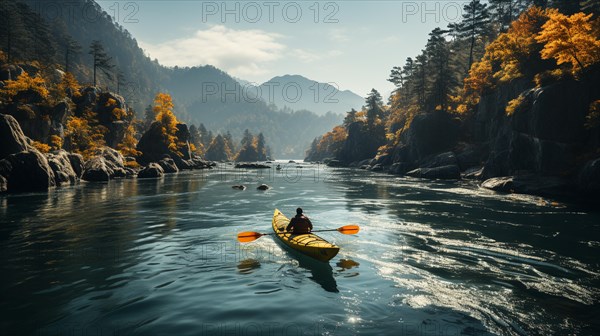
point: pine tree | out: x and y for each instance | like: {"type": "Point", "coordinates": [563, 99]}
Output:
{"type": "Point", "coordinates": [373, 105]}
{"type": "Point", "coordinates": [218, 150]}
{"type": "Point", "coordinates": [101, 60]}
{"type": "Point", "coordinates": [441, 79]}
{"type": "Point", "coordinates": [350, 118]}
{"type": "Point", "coordinates": [71, 49]}
{"type": "Point", "coordinates": [229, 139]}
{"type": "Point", "coordinates": [475, 24]}
{"type": "Point", "coordinates": [204, 135]}
{"type": "Point", "coordinates": [120, 77]}
{"type": "Point", "coordinates": [261, 147]}
{"type": "Point", "coordinates": [420, 82]}
{"type": "Point", "coordinates": [149, 116]}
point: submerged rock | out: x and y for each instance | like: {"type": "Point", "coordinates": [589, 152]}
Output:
{"type": "Point", "coordinates": [263, 187]}
{"type": "Point", "coordinates": [450, 172]}
{"type": "Point", "coordinates": [529, 184]}
{"type": "Point", "coordinates": [252, 165]}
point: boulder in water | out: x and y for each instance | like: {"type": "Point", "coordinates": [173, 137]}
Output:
{"type": "Point", "coordinates": [27, 171]}
{"type": "Point", "coordinates": [153, 170]}
{"type": "Point", "coordinates": [263, 187]}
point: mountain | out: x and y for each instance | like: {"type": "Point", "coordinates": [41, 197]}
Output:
{"type": "Point", "coordinates": [202, 94]}
{"type": "Point", "coordinates": [300, 93]}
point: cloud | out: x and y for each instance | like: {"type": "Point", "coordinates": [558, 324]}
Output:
{"type": "Point", "coordinates": [239, 52]}
{"type": "Point", "coordinates": [338, 35]}
{"type": "Point", "coordinates": [306, 56]}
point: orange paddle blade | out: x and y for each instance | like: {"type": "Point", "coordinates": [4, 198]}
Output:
{"type": "Point", "coordinates": [245, 237]}
{"type": "Point", "coordinates": [349, 229]}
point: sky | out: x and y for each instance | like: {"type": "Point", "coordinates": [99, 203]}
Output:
{"type": "Point", "coordinates": [353, 44]}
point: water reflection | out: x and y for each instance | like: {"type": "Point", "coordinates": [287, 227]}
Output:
{"type": "Point", "coordinates": [321, 272]}
{"type": "Point", "coordinates": [247, 266]}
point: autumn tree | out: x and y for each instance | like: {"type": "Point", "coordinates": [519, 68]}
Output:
{"type": "Point", "coordinates": [127, 147]}
{"type": "Point", "coordinates": [163, 109]}
{"type": "Point", "coordinates": [83, 135]}
{"type": "Point", "coordinates": [24, 83]}
{"type": "Point", "coordinates": [101, 60]}
{"type": "Point", "coordinates": [571, 39]}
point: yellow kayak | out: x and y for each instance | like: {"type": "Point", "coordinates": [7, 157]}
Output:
{"type": "Point", "coordinates": [308, 243]}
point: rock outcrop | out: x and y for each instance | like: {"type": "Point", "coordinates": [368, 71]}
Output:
{"type": "Point", "coordinates": [153, 170]}
{"type": "Point", "coordinates": [105, 165]}
{"type": "Point", "coordinates": [27, 171]}
{"type": "Point", "coordinates": [168, 165]}
{"type": "Point", "coordinates": [60, 164]}
{"type": "Point", "coordinates": [11, 136]}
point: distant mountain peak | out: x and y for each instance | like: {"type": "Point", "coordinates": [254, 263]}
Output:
{"type": "Point", "coordinates": [301, 93]}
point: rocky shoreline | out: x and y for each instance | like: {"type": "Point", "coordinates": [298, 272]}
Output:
{"type": "Point", "coordinates": [24, 168]}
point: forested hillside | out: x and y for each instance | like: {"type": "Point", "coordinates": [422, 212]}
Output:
{"type": "Point", "coordinates": [59, 35]}
{"type": "Point", "coordinates": [509, 95]}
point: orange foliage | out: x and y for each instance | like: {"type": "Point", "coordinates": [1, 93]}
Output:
{"type": "Point", "coordinates": [42, 147]}
{"type": "Point", "coordinates": [128, 146]}
{"type": "Point", "coordinates": [163, 108]}
{"type": "Point", "coordinates": [504, 58]}
{"type": "Point", "coordinates": [25, 82]}
{"type": "Point", "coordinates": [84, 134]}
{"type": "Point", "coordinates": [514, 104]}
{"type": "Point", "coordinates": [56, 142]}
{"type": "Point", "coordinates": [67, 83]}
{"type": "Point", "coordinates": [571, 39]}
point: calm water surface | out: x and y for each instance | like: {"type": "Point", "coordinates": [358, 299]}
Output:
{"type": "Point", "coordinates": [159, 257]}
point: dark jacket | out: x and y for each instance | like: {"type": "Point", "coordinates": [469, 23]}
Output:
{"type": "Point", "coordinates": [299, 224]}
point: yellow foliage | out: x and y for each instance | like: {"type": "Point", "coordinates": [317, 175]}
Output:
{"type": "Point", "coordinates": [514, 104]}
{"type": "Point", "coordinates": [549, 76]}
{"type": "Point", "coordinates": [42, 147]}
{"type": "Point", "coordinates": [571, 39]}
{"type": "Point", "coordinates": [132, 164]}
{"type": "Point", "coordinates": [119, 113]}
{"type": "Point", "coordinates": [25, 82]}
{"type": "Point", "coordinates": [110, 102]}
{"type": "Point", "coordinates": [128, 146]}
{"type": "Point", "coordinates": [67, 82]}
{"type": "Point", "coordinates": [163, 108]}
{"type": "Point", "coordinates": [84, 135]}
{"type": "Point", "coordinates": [56, 142]}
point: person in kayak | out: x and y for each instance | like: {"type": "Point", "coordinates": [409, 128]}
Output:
{"type": "Point", "coordinates": [299, 224]}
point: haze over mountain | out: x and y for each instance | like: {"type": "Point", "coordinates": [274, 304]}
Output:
{"type": "Point", "coordinates": [300, 93]}
{"type": "Point", "coordinates": [202, 94]}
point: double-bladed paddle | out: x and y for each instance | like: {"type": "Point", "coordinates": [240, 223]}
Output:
{"type": "Point", "coordinates": [245, 237]}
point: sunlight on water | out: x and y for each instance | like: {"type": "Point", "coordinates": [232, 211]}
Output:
{"type": "Point", "coordinates": [432, 258]}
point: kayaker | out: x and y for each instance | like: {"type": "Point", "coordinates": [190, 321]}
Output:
{"type": "Point", "coordinates": [299, 224]}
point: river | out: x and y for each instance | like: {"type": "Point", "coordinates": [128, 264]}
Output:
{"type": "Point", "coordinates": [160, 257]}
